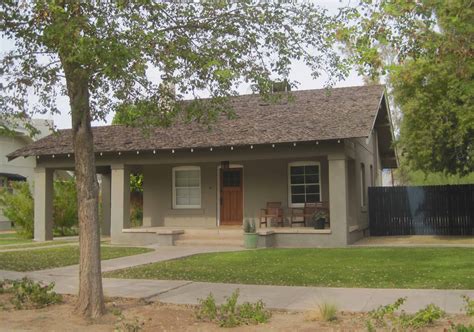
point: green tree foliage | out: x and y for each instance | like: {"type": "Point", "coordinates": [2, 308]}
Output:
{"type": "Point", "coordinates": [17, 205]}
{"type": "Point", "coordinates": [65, 206]}
{"type": "Point", "coordinates": [431, 75]}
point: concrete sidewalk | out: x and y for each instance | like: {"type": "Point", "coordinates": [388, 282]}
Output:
{"type": "Point", "coordinates": [275, 297]}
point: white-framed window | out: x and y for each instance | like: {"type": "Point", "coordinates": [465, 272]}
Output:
{"type": "Point", "coordinates": [363, 189]}
{"type": "Point", "coordinates": [186, 187]}
{"type": "Point", "coordinates": [304, 183]}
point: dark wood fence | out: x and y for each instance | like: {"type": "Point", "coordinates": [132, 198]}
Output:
{"type": "Point", "coordinates": [422, 210]}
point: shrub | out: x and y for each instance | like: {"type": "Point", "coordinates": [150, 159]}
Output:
{"type": "Point", "coordinates": [65, 207]}
{"type": "Point", "coordinates": [128, 325]}
{"type": "Point", "coordinates": [462, 328]}
{"type": "Point", "coordinates": [136, 208]}
{"type": "Point", "coordinates": [207, 309]}
{"type": "Point", "coordinates": [468, 305]}
{"type": "Point", "coordinates": [30, 294]}
{"type": "Point", "coordinates": [136, 216]}
{"type": "Point", "coordinates": [379, 315]}
{"type": "Point", "coordinates": [18, 208]}
{"type": "Point", "coordinates": [385, 316]}
{"type": "Point", "coordinates": [231, 314]}
{"type": "Point", "coordinates": [422, 317]}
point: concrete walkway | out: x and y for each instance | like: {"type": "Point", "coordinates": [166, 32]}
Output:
{"type": "Point", "coordinates": [275, 297]}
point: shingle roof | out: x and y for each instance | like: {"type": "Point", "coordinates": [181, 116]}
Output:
{"type": "Point", "coordinates": [311, 115]}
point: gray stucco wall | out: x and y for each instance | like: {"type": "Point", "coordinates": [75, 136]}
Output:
{"type": "Point", "coordinates": [364, 153]}
{"type": "Point", "coordinates": [263, 181]}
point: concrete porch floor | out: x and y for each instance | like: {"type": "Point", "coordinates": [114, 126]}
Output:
{"type": "Point", "coordinates": [212, 236]}
{"type": "Point", "coordinates": [224, 230]}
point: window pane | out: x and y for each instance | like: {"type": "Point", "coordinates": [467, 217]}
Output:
{"type": "Point", "coordinates": [312, 189]}
{"type": "Point", "coordinates": [313, 169]}
{"type": "Point", "coordinates": [296, 170]}
{"type": "Point", "coordinates": [297, 199]}
{"type": "Point", "coordinates": [187, 187]}
{"type": "Point", "coordinates": [297, 189]}
{"type": "Point", "coordinates": [194, 192]}
{"type": "Point", "coordinates": [312, 198]}
{"type": "Point", "coordinates": [193, 182]}
{"type": "Point", "coordinates": [312, 179]}
{"type": "Point", "coordinates": [181, 181]}
{"type": "Point", "coordinates": [297, 179]}
{"type": "Point", "coordinates": [182, 192]}
{"type": "Point", "coordinates": [231, 178]}
{"type": "Point", "coordinates": [182, 200]}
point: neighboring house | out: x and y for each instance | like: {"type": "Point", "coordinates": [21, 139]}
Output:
{"type": "Point", "coordinates": [321, 145]}
{"type": "Point", "coordinates": [20, 169]}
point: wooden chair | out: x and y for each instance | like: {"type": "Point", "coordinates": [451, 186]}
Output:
{"type": "Point", "coordinates": [273, 211]}
{"type": "Point", "coordinates": [299, 215]}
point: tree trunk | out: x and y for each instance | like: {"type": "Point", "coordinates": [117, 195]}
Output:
{"type": "Point", "coordinates": [91, 301]}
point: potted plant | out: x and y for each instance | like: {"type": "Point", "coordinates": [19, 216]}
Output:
{"type": "Point", "coordinates": [250, 234]}
{"type": "Point", "coordinates": [319, 219]}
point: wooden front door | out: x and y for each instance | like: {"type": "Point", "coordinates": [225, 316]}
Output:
{"type": "Point", "coordinates": [231, 196]}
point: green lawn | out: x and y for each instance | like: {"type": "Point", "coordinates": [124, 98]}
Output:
{"type": "Point", "coordinates": [443, 268]}
{"type": "Point", "coordinates": [39, 259]}
{"type": "Point", "coordinates": [12, 238]}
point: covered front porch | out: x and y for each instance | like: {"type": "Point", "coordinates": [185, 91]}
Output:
{"type": "Point", "coordinates": [188, 192]}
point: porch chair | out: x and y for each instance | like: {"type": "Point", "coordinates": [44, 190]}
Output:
{"type": "Point", "coordinates": [299, 215]}
{"type": "Point", "coordinates": [273, 211]}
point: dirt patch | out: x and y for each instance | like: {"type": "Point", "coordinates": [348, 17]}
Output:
{"type": "Point", "coordinates": [128, 313]}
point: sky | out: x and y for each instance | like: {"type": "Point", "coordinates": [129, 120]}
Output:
{"type": "Point", "coordinates": [299, 73]}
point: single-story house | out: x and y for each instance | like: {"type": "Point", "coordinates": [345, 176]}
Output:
{"type": "Point", "coordinates": [318, 146]}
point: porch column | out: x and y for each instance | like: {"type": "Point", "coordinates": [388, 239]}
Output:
{"type": "Point", "coordinates": [43, 204]}
{"type": "Point", "coordinates": [105, 191]}
{"type": "Point", "coordinates": [338, 197]}
{"type": "Point", "coordinates": [120, 200]}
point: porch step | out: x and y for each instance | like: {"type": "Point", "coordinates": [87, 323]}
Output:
{"type": "Point", "coordinates": [208, 242]}
{"type": "Point", "coordinates": [210, 237]}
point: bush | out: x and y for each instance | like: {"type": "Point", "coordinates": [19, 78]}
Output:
{"type": "Point", "coordinates": [136, 216]}
{"type": "Point", "coordinates": [230, 314]}
{"type": "Point", "coordinates": [462, 328]}
{"type": "Point", "coordinates": [422, 317]}
{"type": "Point", "coordinates": [65, 207]}
{"type": "Point", "coordinates": [28, 294]}
{"type": "Point", "coordinates": [468, 305]}
{"type": "Point", "coordinates": [384, 316]}
{"type": "Point", "coordinates": [380, 314]}
{"type": "Point", "coordinates": [18, 208]}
